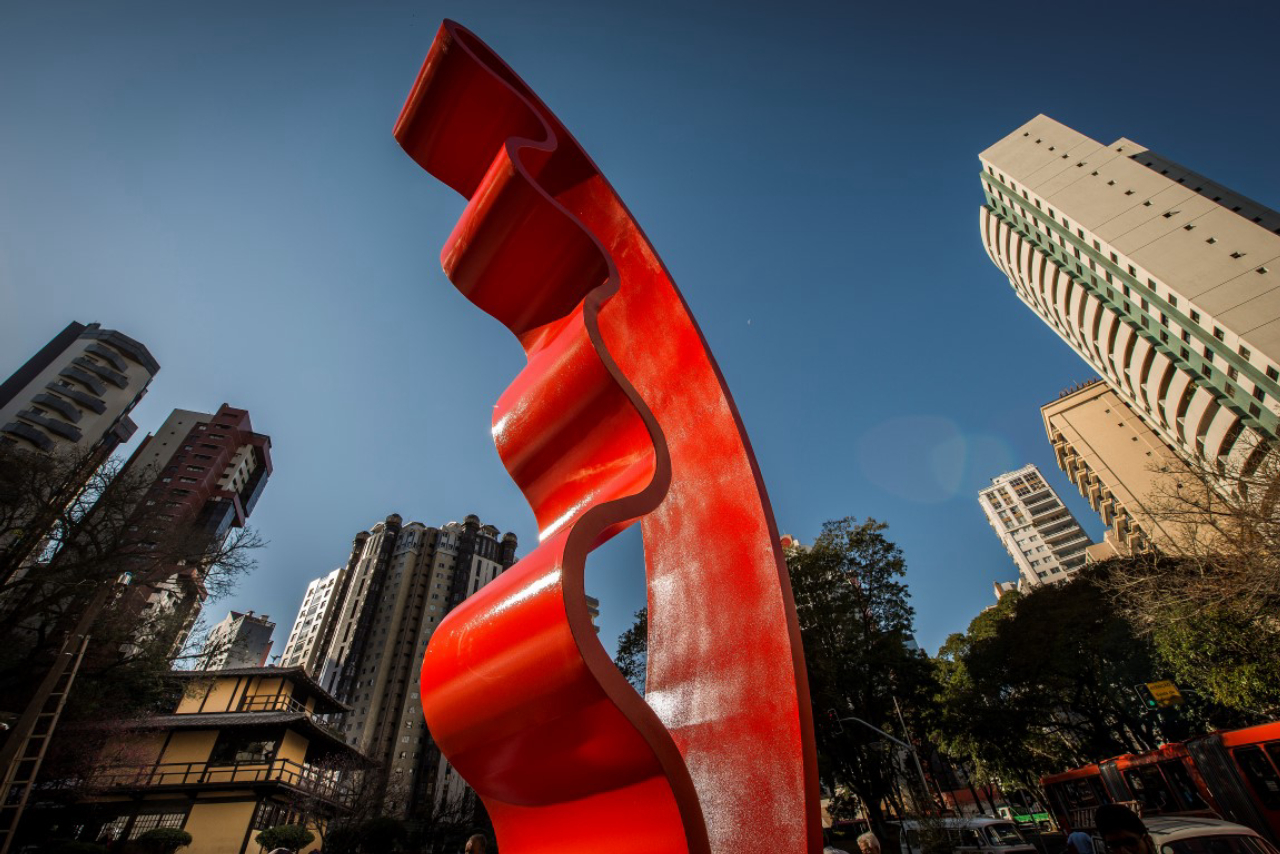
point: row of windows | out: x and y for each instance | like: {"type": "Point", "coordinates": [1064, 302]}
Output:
{"type": "Point", "coordinates": [1034, 224]}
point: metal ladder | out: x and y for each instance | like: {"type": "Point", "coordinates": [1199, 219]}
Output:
{"type": "Point", "coordinates": [33, 734]}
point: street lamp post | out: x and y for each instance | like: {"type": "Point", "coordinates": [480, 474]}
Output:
{"type": "Point", "coordinates": [924, 783]}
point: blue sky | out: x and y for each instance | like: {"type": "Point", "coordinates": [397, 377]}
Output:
{"type": "Point", "coordinates": [219, 181]}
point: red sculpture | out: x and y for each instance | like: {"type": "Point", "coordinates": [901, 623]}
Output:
{"type": "Point", "coordinates": [620, 414]}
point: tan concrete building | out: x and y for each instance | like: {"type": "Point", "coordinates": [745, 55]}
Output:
{"type": "Point", "coordinates": [372, 626]}
{"type": "Point", "coordinates": [77, 392]}
{"type": "Point", "coordinates": [1044, 540]}
{"type": "Point", "coordinates": [1120, 465]}
{"type": "Point", "coordinates": [1166, 283]}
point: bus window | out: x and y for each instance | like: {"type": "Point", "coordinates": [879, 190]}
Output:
{"type": "Point", "coordinates": [1261, 776]}
{"type": "Point", "coordinates": [1149, 789]}
{"type": "Point", "coordinates": [1184, 788]}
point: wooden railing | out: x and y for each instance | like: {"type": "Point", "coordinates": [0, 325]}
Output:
{"type": "Point", "coordinates": [187, 774]}
{"type": "Point", "coordinates": [271, 703]}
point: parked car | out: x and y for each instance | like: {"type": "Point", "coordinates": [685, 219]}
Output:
{"type": "Point", "coordinates": [978, 835]}
{"type": "Point", "coordinates": [1178, 835]}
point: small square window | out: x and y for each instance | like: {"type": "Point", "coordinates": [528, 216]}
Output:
{"type": "Point", "coordinates": [1219, 334]}
{"type": "Point", "coordinates": [1273, 374]}
{"type": "Point", "coordinates": [1244, 353]}
{"type": "Point", "coordinates": [1254, 410]}
{"type": "Point", "coordinates": [1195, 316]}
{"type": "Point", "coordinates": [1233, 373]}
{"type": "Point", "coordinates": [1186, 336]}
{"type": "Point", "coordinates": [1173, 301]}
{"type": "Point", "coordinates": [1259, 393]}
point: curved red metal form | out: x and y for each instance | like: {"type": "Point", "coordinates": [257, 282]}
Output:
{"type": "Point", "coordinates": [619, 415]}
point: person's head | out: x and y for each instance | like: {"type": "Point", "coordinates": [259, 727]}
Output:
{"type": "Point", "coordinates": [475, 845]}
{"type": "Point", "coordinates": [868, 844]}
{"type": "Point", "coordinates": [1122, 830]}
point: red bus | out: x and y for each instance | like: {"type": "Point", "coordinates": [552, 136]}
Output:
{"type": "Point", "coordinates": [1231, 775]}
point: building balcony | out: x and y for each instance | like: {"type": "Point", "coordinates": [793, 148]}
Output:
{"type": "Point", "coordinates": [203, 775]}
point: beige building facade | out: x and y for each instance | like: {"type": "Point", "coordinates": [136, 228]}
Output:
{"type": "Point", "coordinates": [1165, 282]}
{"type": "Point", "coordinates": [1120, 465]}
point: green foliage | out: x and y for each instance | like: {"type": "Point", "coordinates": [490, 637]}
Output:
{"type": "Point", "coordinates": [633, 650]}
{"type": "Point", "coordinates": [291, 836]}
{"type": "Point", "coordinates": [856, 622]}
{"type": "Point", "coordinates": [1228, 656]}
{"type": "Point", "coordinates": [164, 840]}
{"type": "Point", "coordinates": [1045, 681]}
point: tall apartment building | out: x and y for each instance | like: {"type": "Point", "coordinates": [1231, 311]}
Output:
{"type": "Point", "coordinates": [240, 640]}
{"type": "Point", "coordinates": [1166, 283]}
{"type": "Point", "coordinates": [77, 392]}
{"type": "Point", "coordinates": [1121, 467]}
{"type": "Point", "coordinates": [1037, 530]}
{"type": "Point", "coordinates": [306, 644]}
{"type": "Point", "coordinates": [72, 397]}
{"type": "Point", "coordinates": [372, 626]}
{"type": "Point", "coordinates": [208, 472]}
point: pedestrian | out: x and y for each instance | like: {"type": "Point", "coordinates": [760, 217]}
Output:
{"type": "Point", "coordinates": [868, 843]}
{"type": "Point", "coordinates": [476, 845]}
{"type": "Point", "coordinates": [1079, 842]}
{"type": "Point", "coordinates": [1122, 831]}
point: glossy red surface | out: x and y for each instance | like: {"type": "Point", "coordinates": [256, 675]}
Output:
{"type": "Point", "coordinates": [620, 415]}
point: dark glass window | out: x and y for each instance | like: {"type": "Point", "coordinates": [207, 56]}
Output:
{"type": "Point", "coordinates": [1261, 775]}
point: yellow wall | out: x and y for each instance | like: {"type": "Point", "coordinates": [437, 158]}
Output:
{"type": "Point", "coordinates": [294, 747]}
{"type": "Point", "coordinates": [219, 828]}
{"type": "Point", "coordinates": [192, 746]}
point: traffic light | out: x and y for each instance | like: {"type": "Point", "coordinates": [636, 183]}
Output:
{"type": "Point", "coordinates": [833, 721]}
{"type": "Point", "coordinates": [1147, 696]}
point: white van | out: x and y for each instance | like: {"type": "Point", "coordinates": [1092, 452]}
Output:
{"type": "Point", "coordinates": [978, 835]}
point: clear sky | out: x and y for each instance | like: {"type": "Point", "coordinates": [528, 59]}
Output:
{"type": "Point", "coordinates": [219, 181]}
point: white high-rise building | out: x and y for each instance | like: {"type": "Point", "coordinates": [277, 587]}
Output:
{"type": "Point", "coordinates": [1165, 282]}
{"type": "Point", "coordinates": [240, 640]}
{"type": "Point", "coordinates": [305, 646]}
{"type": "Point", "coordinates": [1037, 530]}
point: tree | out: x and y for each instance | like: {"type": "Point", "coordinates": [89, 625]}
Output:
{"type": "Point", "coordinates": [1044, 681]}
{"type": "Point", "coordinates": [91, 540]}
{"type": "Point", "coordinates": [632, 657]}
{"type": "Point", "coordinates": [1208, 594]}
{"type": "Point", "coordinates": [292, 836]}
{"type": "Point", "coordinates": [856, 626]}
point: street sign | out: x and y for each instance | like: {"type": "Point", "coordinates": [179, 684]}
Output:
{"type": "Point", "coordinates": [1165, 693]}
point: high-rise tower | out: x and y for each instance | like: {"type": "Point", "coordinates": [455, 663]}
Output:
{"type": "Point", "coordinates": [77, 392]}
{"type": "Point", "coordinates": [1037, 530]}
{"type": "Point", "coordinates": [369, 625]}
{"type": "Point", "coordinates": [207, 472]}
{"type": "Point", "coordinates": [1167, 283]}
